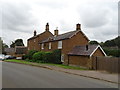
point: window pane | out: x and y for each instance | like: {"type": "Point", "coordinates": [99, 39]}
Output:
{"type": "Point", "coordinates": [59, 44]}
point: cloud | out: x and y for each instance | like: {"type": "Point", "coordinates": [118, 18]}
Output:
{"type": "Point", "coordinates": [16, 17]}
{"type": "Point", "coordinates": [20, 17]}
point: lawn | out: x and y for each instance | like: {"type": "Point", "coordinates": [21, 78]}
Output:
{"type": "Point", "coordinates": [50, 64]}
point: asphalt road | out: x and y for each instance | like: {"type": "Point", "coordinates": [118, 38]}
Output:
{"type": "Point", "coordinates": [25, 76]}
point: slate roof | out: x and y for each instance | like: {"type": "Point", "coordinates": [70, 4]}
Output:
{"type": "Point", "coordinates": [20, 50]}
{"type": "Point", "coordinates": [38, 35]}
{"type": "Point", "coordinates": [10, 50]}
{"type": "Point", "coordinates": [61, 36]}
{"type": "Point", "coordinates": [81, 50]}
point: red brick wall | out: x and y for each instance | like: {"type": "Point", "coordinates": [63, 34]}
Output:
{"type": "Point", "coordinates": [34, 45]}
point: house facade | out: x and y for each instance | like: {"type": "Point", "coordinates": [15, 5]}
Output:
{"type": "Point", "coordinates": [65, 42]}
{"type": "Point", "coordinates": [32, 43]}
{"type": "Point", "coordinates": [18, 51]}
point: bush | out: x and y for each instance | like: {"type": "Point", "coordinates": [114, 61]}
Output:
{"type": "Point", "coordinates": [48, 57]}
{"type": "Point", "coordinates": [24, 57]}
{"type": "Point", "coordinates": [45, 57]}
{"type": "Point", "coordinates": [57, 56]}
{"type": "Point", "coordinates": [38, 56]}
{"type": "Point", "coordinates": [30, 54]}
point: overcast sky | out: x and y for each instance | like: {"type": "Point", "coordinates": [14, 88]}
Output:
{"type": "Point", "coordinates": [19, 18]}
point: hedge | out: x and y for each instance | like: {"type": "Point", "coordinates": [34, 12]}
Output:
{"type": "Point", "coordinates": [38, 56]}
{"type": "Point", "coordinates": [46, 57]}
{"type": "Point", "coordinates": [29, 55]}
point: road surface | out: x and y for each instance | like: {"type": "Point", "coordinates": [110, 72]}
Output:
{"type": "Point", "coordinates": [25, 76]}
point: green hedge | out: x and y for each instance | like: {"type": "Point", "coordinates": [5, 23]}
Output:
{"type": "Point", "coordinates": [38, 56]}
{"type": "Point", "coordinates": [46, 57]}
{"type": "Point", "coordinates": [29, 55]}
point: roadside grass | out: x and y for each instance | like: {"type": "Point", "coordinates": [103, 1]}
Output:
{"type": "Point", "coordinates": [50, 64]}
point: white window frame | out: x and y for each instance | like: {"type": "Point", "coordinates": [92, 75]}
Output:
{"type": "Point", "coordinates": [42, 46]}
{"type": "Point", "coordinates": [50, 45]}
{"type": "Point", "coordinates": [59, 44]}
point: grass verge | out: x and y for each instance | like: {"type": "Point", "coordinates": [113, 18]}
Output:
{"type": "Point", "coordinates": [50, 64]}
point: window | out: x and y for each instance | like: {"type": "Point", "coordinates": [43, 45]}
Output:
{"type": "Point", "coordinates": [34, 40]}
{"type": "Point", "coordinates": [59, 44]}
{"type": "Point", "coordinates": [42, 46]}
{"type": "Point", "coordinates": [49, 45]}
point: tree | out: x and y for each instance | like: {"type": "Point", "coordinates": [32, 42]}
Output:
{"type": "Point", "coordinates": [93, 42]}
{"type": "Point", "coordinates": [18, 42]}
{"type": "Point", "coordinates": [112, 42]}
{"type": "Point", "coordinates": [2, 46]}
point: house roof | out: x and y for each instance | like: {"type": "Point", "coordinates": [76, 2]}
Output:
{"type": "Point", "coordinates": [10, 50]}
{"type": "Point", "coordinates": [38, 35]}
{"type": "Point", "coordinates": [20, 49]}
{"type": "Point", "coordinates": [63, 36]}
{"type": "Point", "coordinates": [82, 50]}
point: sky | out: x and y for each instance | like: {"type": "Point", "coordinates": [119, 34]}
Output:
{"type": "Point", "coordinates": [19, 18]}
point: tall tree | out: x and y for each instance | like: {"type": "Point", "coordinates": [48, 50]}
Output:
{"type": "Point", "coordinates": [93, 42]}
{"type": "Point", "coordinates": [18, 42]}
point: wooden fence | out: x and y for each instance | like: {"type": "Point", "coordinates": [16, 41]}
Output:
{"type": "Point", "coordinates": [109, 64]}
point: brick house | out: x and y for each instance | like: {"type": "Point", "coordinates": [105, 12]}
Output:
{"type": "Point", "coordinates": [18, 51]}
{"type": "Point", "coordinates": [32, 43]}
{"type": "Point", "coordinates": [65, 42]}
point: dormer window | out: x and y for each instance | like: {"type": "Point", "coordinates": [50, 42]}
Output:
{"type": "Point", "coordinates": [50, 45]}
{"type": "Point", "coordinates": [42, 46]}
{"type": "Point", "coordinates": [59, 44]}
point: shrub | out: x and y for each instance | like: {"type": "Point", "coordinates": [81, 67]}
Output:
{"type": "Point", "coordinates": [48, 57]}
{"type": "Point", "coordinates": [30, 54]}
{"type": "Point", "coordinates": [25, 57]}
{"type": "Point", "coordinates": [57, 56]}
{"type": "Point", "coordinates": [38, 56]}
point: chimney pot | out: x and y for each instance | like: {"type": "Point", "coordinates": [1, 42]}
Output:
{"type": "Point", "coordinates": [35, 32]}
{"type": "Point", "coordinates": [56, 32]}
{"type": "Point", "coordinates": [78, 26]}
{"type": "Point", "coordinates": [47, 27]}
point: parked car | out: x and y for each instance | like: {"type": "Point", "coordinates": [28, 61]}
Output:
{"type": "Point", "coordinates": [2, 56]}
{"type": "Point", "coordinates": [18, 58]}
{"type": "Point", "coordinates": [10, 57]}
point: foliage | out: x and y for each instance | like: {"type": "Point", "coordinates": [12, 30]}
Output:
{"type": "Point", "coordinates": [57, 56]}
{"type": "Point", "coordinates": [30, 54]}
{"type": "Point", "coordinates": [112, 52]}
{"type": "Point", "coordinates": [93, 42]}
{"type": "Point", "coordinates": [38, 56]}
{"type": "Point", "coordinates": [48, 57]}
{"type": "Point", "coordinates": [45, 57]}
{"type": "Point", "coordinates": [18, 42]}
{"type": "Point", "coordinates": [113, 42]}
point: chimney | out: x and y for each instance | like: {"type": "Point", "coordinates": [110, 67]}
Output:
{"type": "Point", "coordinates": [78, 26]}
{"type": "Point", "coordinates": [86, 47]}
{"type": "Point", "coordinates": [35, 32]}
{"type": "Point", "coordinates": [56, 32]}
{"type": "Point", "coordinates": [47, 27]}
